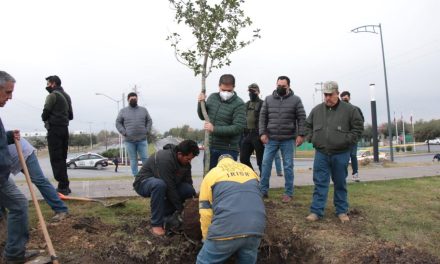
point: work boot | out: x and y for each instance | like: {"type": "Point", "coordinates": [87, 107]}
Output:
{"type": "Point", "coordinates": [286, 198]}
{"type": "Point", "coordinates": [356, 177]}
{"type": "Point", "coordinates": [27, 256]}
{"type": "Point", "coordinates": [343, 218]}
{"type": "Point", "coordinates": [59, 216]}
{"type": "Point", "coordinates": [157, 231]}
{"type": "Point", "coordinates": [65, 191]}
{"type": "Point", "coordinates": [312, 217]}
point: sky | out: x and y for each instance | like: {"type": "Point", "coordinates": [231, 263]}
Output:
{"type": "Point", "coordinates": [112, 46]}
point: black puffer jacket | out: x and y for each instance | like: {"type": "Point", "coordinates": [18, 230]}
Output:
{"type": "Point", "coordinates": [282, 117]}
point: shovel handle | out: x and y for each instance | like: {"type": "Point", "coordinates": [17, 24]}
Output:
{"type": "Point", "coordinates": [72, 198]}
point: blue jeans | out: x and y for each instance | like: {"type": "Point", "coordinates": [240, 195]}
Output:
{"type": "Point", "coordinates": [216, 153]}
{"type": "Point", "coordinates": [270, 150]}
{"type": "Point", "coordinates": [278, 167]}
{"type": "Point", "coordinates": [328, 166]}
{"type": "Point", "coordinates": [219, 251]}
{"type": "Point", "coordinates": [354, 160]}
{"type": "Point", "coordinates": [18, 234]}
{"type": "Point", "coordinates": [44, 186]}
{"type": "Point", "coordinates": [133, 149]}
{"type": "Point", "coordinates": [160, 205]}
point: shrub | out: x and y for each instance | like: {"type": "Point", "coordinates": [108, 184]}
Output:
{"type": "Point", "coordinates": [409, 148]}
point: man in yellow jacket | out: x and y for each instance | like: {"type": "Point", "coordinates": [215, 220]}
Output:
{"type": "Point", "coordinates": [232, 213]}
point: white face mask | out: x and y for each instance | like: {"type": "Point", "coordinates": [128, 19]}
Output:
{"type": "Point", "coordinates": [225, 95]}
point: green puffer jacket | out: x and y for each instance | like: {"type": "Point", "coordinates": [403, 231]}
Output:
{"type": "Point", "coordinates": [334, 129]}
{"type": "Point", "coordinates": [228, 118]}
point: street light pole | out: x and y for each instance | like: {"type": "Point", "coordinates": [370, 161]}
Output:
{"type": "Point", "coordinates": [320, 89]}
{"type": "Point", "coordinates": [120, 137]}
{"type": "Point", "coordinates": [372, 29]}
{"type": "Point", "coordinates": [374, 123]}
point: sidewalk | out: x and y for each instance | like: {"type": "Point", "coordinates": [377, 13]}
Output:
{"type": "Point", "coordinates": [118, 188]}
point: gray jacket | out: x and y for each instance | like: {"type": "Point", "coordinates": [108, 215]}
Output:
{"type": "Point", "coordinates": [134, 123]}
{"type": "Point", "coordinates": [282, 117]}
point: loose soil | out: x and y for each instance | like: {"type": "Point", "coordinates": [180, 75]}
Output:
{"type": "Point", "coordinates": [81, 239]}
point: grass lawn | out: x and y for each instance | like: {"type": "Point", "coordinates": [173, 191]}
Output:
{"type": "Point", "coordinates": [395, 221]}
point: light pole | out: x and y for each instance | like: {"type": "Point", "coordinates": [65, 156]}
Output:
{"type": "Point", "coordinates": [374, 123]}
{"type": "Point", "coordinates": [372, 29]}
{"type": "Point", "coordinates": [320, 89]}
{"type": "Point", "coordinates": [120, 137]}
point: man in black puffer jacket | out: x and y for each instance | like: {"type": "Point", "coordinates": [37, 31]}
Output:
{"type": "Point", "coordinates": [282, 120]}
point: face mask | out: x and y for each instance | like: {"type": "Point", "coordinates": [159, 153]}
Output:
{"type": "Point", "coordinates": [253, 96]}
{"type": "Point", "coordinates": [49, 89]}
{"type": "Point", "coordinates": [133, 103]}
{"type": "Point", "coordinates": [226, 95]}
{"type": "Point", "coordinates": [281, 91]}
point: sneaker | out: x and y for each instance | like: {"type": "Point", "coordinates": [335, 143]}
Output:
{"type": "Point", "coordinates": [265, 196]}
{"type": "Point", "coordinates": [60, 216]}
{"type": "Point", "coordinates": [356, 177]}
{"type": "Point", "coordinates": [343, 218]}
{"type": "Point", "coordinates": [157, 231]}
{"type": "Point", "coordinates": [27, 256]}
{"type": "Point", "coordinates": [65, 191]}
{"type": "Point", "coordinates": [312, 217]}
{"type": "Point", "coordinates": [286, 198]}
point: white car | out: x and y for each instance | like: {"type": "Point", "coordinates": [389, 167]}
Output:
{"type": "Point", "coordinates": [368, 155]}
{"type": "Point", "coordinates": [89, 160]}
{"type": "Point", "coordinates": [435, 141]}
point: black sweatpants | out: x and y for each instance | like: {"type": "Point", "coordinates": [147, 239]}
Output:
{"type": "Point", "coordinates": [250, 142]}
{"type": "Point", "coordinates": [58, 143]}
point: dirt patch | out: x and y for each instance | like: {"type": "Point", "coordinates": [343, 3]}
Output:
{"type": "Point", "coordinates": [88, 240]}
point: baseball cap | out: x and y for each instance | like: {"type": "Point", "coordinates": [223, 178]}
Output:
{"type": "Point", "coordinates": [330, 87]}
{"type": "Point", "coordinates": [254, 86]}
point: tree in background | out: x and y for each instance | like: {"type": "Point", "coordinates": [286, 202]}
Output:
{"type": "Point", "coordinates": [215, 29]}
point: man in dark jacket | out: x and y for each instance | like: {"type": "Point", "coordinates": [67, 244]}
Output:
{"type": "Point", "coordinates": [251, 140]}
{"type": "Point", "coordinates": [227, 119]}
{"type": "Point", "coordinates": [56, 115]}
{"type": "Point", "coordinates": [346, 97]}
{"type": "Point", "coordinates": [166, 178]}
{"type": "Point", "coordinates": [333, 127]}
{"type": "Point", "coordinates": [134, 123]}
{"type": "Point", "coordinates": [10, 196]}
{"type": "Point", "coordinates": [281, 126]}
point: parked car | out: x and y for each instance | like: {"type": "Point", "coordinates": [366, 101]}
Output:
{"type": "Point", "coordinates": [368, 155]}
{"type": "Point", "coordinates": [89, 160]}
{"type": "Point", "coordinates": [435, 141]}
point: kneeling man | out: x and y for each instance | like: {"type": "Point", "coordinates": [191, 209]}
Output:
{"type": "Point", "coordinates": [232, 213]}
{"type": "Point", "coordinates": [166, 178]}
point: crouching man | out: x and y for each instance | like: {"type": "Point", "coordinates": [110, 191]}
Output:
{"type": "Point", "coordinates": [232, 213]}
{"type": "Point", "coordinates": [166, 178]}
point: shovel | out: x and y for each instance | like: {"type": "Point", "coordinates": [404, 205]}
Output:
{"type": "Point", "coordinates": [114, 204]}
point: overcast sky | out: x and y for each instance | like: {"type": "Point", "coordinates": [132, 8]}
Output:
{"type": "Point", "coordinates": [111, 46]}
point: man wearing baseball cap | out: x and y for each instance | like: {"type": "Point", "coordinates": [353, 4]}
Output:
{"type": "Point", "coordinates": [333, 127]}
{"type": "Point", "coordinates": [251, 140]}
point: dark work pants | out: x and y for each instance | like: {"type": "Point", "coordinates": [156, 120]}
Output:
{"type": "Point", "coordinates": [251, 142]}
{"type": "Point", "coordinates": [160, 205]}
{"type": "Point", "coordinates": [58, 143]}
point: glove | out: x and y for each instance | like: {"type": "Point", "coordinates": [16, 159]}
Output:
{"type": "Point", "coordinates": [173, 222]}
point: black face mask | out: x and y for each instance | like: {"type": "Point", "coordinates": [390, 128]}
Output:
{"type": "Point", "coordinates": [49, 89]}
{"type": "Point", "coordinates": [253, 96]}
{"type": "Point", "coordinates": [281, 90]}
{"type": "Point", "coordinates": [133, 103]}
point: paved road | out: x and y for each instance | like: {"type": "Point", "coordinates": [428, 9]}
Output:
{"type": "Point", "coordinates": [119, 184]}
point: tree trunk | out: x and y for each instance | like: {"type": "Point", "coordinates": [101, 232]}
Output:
{"type": "Point", "coordinates": [206, 155]}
